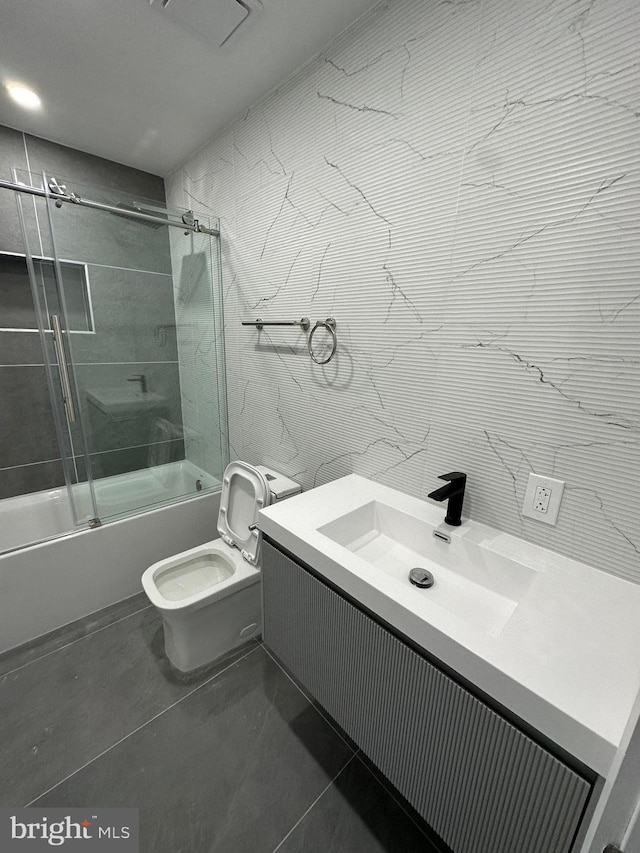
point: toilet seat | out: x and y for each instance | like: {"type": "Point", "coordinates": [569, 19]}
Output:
{"type": "Point", "coordinates": [193, 575]}
{"type": "Point", "coordinates": [245, 491]}
{"type": "Point", "coordinates": [191, 579]}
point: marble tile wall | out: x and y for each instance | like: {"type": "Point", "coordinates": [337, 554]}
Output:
{"type": "Point", "coordinates": [458, 185]}
{"type": "Point", "coordinates": [128, 267]}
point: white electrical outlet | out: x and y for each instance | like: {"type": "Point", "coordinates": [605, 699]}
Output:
{"type": "Point", "coordinates": [542, 498]}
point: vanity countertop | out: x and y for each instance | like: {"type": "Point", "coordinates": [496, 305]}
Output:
{"type": "Point", "coordinates": [566, 659]}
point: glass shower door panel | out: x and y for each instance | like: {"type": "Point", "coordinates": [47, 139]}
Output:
{"type": "Point", "coordinates": [200, 341]}
{"type": "Point", "coordinates": [126, 360]}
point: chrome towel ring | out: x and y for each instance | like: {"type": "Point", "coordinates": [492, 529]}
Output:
{"type": "Point", "coordinates": [330, 325]}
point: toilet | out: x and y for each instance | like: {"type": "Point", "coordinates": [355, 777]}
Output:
{"type": "Point", "coordinates": [209, 596]}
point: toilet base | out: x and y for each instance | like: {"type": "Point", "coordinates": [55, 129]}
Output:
{"type": "Point", "coordinates": [202, 673]}
{"type": "Point", "coordinates": [195, 639]}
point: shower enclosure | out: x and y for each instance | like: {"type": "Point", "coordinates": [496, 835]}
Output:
{"type": "Point", "coordinates": [111, 323]}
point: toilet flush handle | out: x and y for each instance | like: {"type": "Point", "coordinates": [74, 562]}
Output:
{"type": "Point", "coordinates": [253, 526]}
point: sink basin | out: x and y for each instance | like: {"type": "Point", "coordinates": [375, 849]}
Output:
{"type": "Point", "coordinates": [471, 581]}
{"type": "Point", "coordinates": [125, 401]}
{"type": "Point", "coordinates": [510, 617]}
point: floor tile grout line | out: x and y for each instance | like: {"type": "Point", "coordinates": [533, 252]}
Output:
{"type": "Point", "coordinates": [328, 720]}
{"type": "Point", "coordinates": [387, 787]}
{"type": "Point", "coordinates": [73, 642]}
{"type": "Point", "coordinates": [314, 803]}
{"type": "Point", "coordinates": [394, 795]}
{"type": "Point", "coordinates": [142, 726]}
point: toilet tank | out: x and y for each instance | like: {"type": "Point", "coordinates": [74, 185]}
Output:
{"type": "Point", "coordinates": [281, 487]}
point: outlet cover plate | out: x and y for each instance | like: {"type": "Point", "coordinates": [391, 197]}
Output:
{"type": "Point", "coordinates": [553, 495]}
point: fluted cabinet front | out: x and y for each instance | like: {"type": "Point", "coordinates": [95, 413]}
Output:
{"type": "Point", "coordinates": [482, 784]}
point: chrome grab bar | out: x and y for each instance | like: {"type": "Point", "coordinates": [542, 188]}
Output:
{"type": "Point", "coordinates": [303, 323]}
{"type": "Point", "coordinates": [64, 373]}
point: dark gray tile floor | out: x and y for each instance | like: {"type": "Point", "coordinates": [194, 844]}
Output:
{"type": "Point", "coordinates": [237, 760]}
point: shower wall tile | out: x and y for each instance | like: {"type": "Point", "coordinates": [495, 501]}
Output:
{"type": "Point", "coordinates": [28, 449]}
{"type": "Point", "coordinates": [12, 154]}
{"type": "Point", "coordinates": [32, 212]}
{"type": "Point", "coordinates": [64, 162]}
{"type": "Point", "coordinates": [134, 318]}
{"type": "Point", "coordinates": [20, 348]}
{"type": "Point", "coordinates": [17, 310]}
{"type": "Point", "coordinates": [457, 185]}
{"type": "Point", "coordinates": [25, 479]}
{"type": "Point", "coordinates": [93, 236]}
{"type": "Point", "coordinates": [26, 420]}
{"type": "Point", "coordinates": [96, 237]}
{"type": "Point", "coordinates": [82, 234]}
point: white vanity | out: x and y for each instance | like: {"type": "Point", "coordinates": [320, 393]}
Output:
{"type": "Point", "coordinates": [494, 700]}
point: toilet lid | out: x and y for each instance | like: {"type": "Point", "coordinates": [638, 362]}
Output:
{"type": "Point", "coordinates": [244, 491]}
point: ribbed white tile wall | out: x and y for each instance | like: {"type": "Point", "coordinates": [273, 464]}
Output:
{"type": "Point", "coordinates": [458, 185]}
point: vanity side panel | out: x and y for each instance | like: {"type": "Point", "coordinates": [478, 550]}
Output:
{"type": "Point", "coordinates": [483, 785]}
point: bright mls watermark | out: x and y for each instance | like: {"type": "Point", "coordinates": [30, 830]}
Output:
{"type": "Point", "coordinates": [102, 830]}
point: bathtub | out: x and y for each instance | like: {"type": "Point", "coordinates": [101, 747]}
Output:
{"type": "Point", "coordinates": [34, 517]}
{"type": "Point", "coordinates": [148, 488]}
{"type": "Point", "coordinates": [71, 573]}
{"type": "Point", "coordinates": [42, 515]}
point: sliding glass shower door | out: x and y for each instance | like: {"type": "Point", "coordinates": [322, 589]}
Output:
{"type": "Point", "coordinates": [131, 320]}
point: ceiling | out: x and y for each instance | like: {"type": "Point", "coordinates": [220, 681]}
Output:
{"type": "Point", "coordinates": [147, 85]}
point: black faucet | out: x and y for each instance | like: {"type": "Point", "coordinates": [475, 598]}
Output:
{"type": "Point", "coordinates": [142, 379]}
{"type": "Point", "coordinates": [454, 493]}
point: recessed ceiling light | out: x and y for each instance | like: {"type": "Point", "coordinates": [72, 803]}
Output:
{"type": "Point", "coordinates": [25, 97]}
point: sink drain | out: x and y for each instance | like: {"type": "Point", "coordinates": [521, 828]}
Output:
{"type": "Point", "coordinates": [421, 578]}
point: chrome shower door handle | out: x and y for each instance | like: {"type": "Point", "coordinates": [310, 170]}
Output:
{"type": "Point", "coordinates": [62, 365]}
